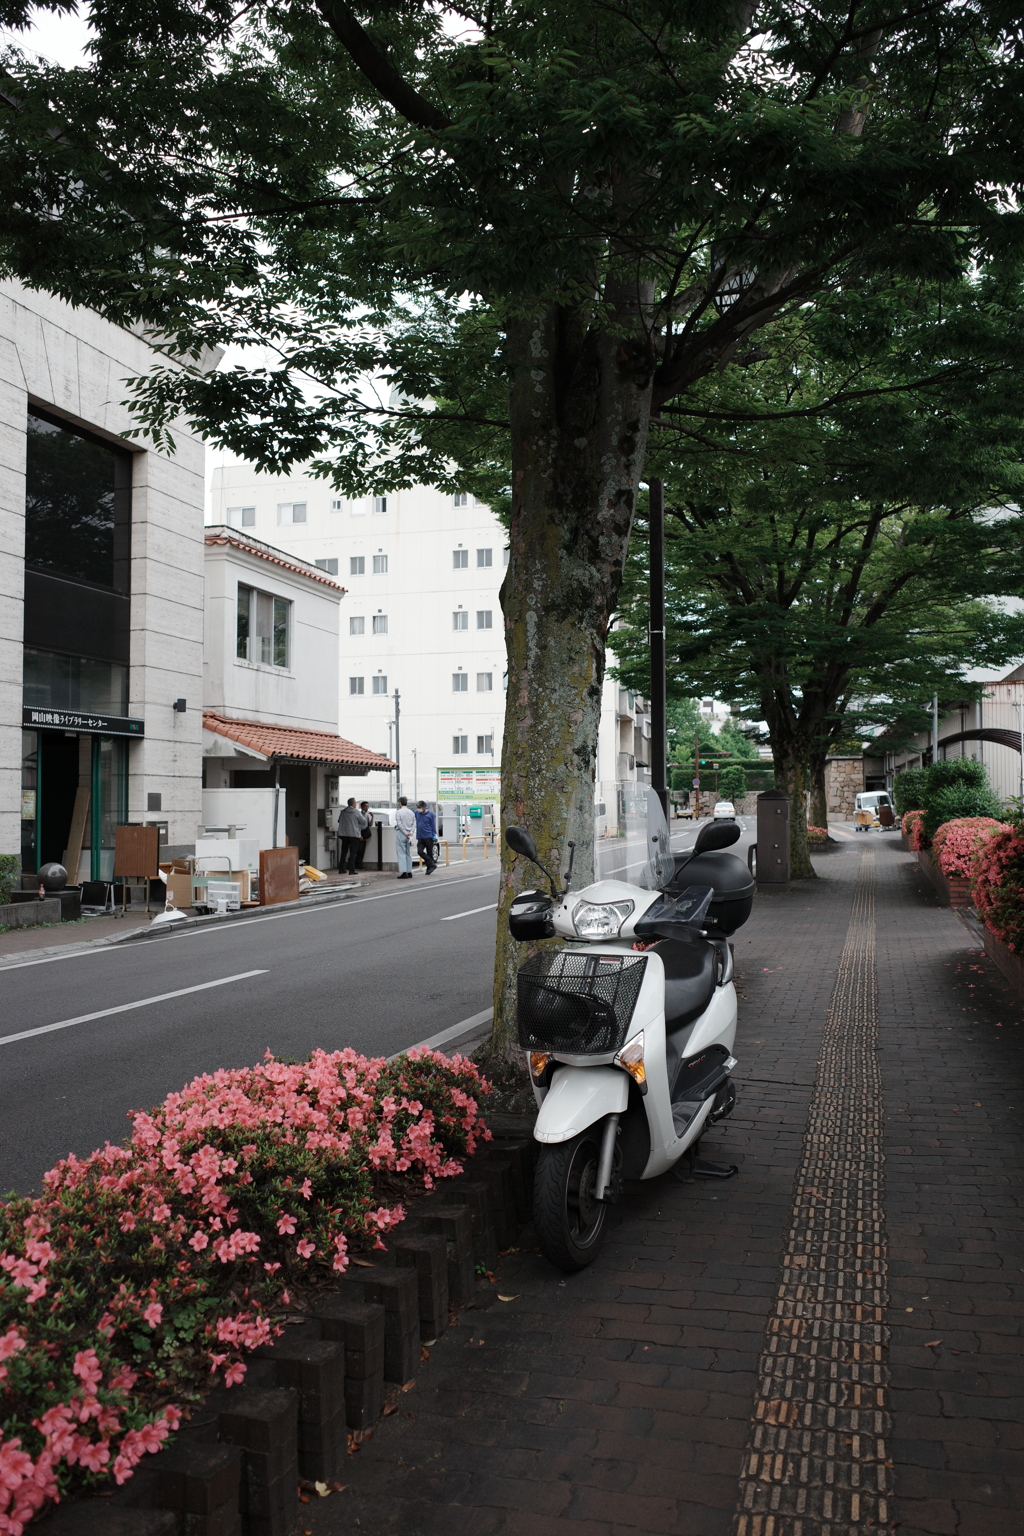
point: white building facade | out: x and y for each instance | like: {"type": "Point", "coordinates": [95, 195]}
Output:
{"type": "Point", "coordinates": [101, 597]}
{"type": "Point", "coordinates": [422, 570]}
{"type": "Point", "coordinates": [989, 730]}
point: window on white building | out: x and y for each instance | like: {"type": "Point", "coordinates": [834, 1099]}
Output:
{"type": "Point", "coordinates": [484, 744]}
{"type": "Point", "coordinates": [380, 683]}
{"type": "Point", "coordinates": [291, 512]}
{"type": "Point", "coordinates": [330, 566]}
{"type": "Point", "coordinates": [357, 565]}
{"type": "Point", "coordinates": [380, 565]}
{"type": "Point", "coordinates": [460, 682]}
{"type": "Point", "coordinates": [460, 499]}
{"type": "Point", "coordinates": [460, 744]}
{"type": "Point", "coordinates": [380, 623]}
{"type": "Point", "coordinates": [355, 685]}
{"type": "Point", "coordinates": [337, 505]}
{"type": "Point", "coordinates": [484, 557]}
{"type": "Point", "coordinates": [241, 517]}
{"type": "Point", "coordinates": [357, 625]}
{"type": "Point", "coordinates": [504, 555]}
{"type": "Point", "coordinates": [460, 559]}
{"type": "Point", "coordinates": [484, 682]}
{"type": "Point", "coordinates": [483, 618]}
{"type": "Point", "coordinates": [460, 619]}
{"type": "Point", "coordinates": [262, 624]}
{"type": "Point", "coordinates": [380, 505]}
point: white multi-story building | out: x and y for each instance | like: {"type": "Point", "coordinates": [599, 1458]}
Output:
{"type": "Point", "coordinates": [101, 596]}
{"type": "Point", "coordinates": [422, 571]}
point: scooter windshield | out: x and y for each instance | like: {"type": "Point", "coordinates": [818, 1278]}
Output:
{"type": "Point", "coordinates": [661, 864]}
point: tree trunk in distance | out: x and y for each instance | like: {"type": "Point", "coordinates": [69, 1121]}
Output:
{"type": "Point", "coordinates": [579, 418]}
{"type": "Point", "coordinates": [818, 815]}
{"type": "Point", "coordinates": [791, 775]}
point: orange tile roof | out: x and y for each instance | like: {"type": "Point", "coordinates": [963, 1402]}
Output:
{"type": "Point", "coordinates": [274, 556]}
{"type": "Point", "coordinates": [283, 741]}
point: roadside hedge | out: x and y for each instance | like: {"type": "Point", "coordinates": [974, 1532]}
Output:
{"type": "Point", "coordinates": [998, 884]}
{"type": "Point", "coordinates": [144, 1272]}
{"type": "Point", "coordinates": [957, 843]}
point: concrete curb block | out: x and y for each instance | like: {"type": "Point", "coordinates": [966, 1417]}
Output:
{"type": "Point", "coordinates": [234, 1469]}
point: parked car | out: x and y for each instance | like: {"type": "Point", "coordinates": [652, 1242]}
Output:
{"type": "Point", "coordinates": [724, 811]}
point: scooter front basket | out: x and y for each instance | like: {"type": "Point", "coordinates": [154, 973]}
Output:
{"type": "Point", "coordinates": [578, 1004]}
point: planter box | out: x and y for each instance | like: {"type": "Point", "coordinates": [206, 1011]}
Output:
{"type": "Point", "coordinates": [30, 914]}
{"type": "Point", "coordinates": [1011, 965]}
{"type": "Point", "coordinates": [952, 890]}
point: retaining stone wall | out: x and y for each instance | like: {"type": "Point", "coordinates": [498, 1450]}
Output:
{"type": "Point", "coordinates": [30, 914]}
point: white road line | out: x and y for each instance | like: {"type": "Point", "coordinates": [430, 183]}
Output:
{"type": "Point", "coordinates": [101, 948]}
{"type": "Point", "coordinates": [464, 1027]}
{"type": "Point", "coordinates": [471, 913]}
{"type": "Point", "coordinates": [342, 906]}
{"type": "Point", "coordinates": [143, 1002]}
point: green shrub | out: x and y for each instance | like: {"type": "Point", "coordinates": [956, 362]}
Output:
{"type": "Point", "coordinates": [956, 801]}
{"type": "Point", "coordinates": [732, 784]}
{"type": "Point", "coordinates": [908, 790]}
{"type": "Point", "coordinates": [955, 770]}
{"type": "Point", "coordinates": [10, 873]}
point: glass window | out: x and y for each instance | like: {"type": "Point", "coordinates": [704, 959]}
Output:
{"type": "Point", "coordinates": [460, 619]}
{"type": "Point", "coordinates": [460, 559]}
{"type": "Point", "coordinates": [380, 505]}
{"type": "Point", "coordinates": [460, 499]}
{"type": "Point", "coordinates": [380, 683]}
{"type": "Point", "coordinates": [505, 555]}
{"type": "Point", "coordinates": [289, 512]}
{"type": "Point", "coordinates": [357, 625]}
{"type": "Point", "coordinates": [355, 685]}
{"type": "Point", "coordinates": [261, 627]}
{"type": "Point", "coordinates": [460, 682]}
{"type": "Point", "coordinates": [460, 744]}
{"type": "Point", "coordinates": [78, 505]}
{"type": "Point", "coordinates": [357, 509]}
{"type": "Point", "coordinates": [483, 618]}
{"type": "Point", "coordinates": [484, 682]}
{"type": "Point", "coordinates": [484, 557]}
{"type": "Point", "coordinates": [337, 504]}
{"type": "Point", "coordinates": [380, 565]}
{"type": "Point", "coordinates": [485, 744]}
{"type": "Point", "coordinates": [380, 623]}
{"type": "Point", "coordinates": [241, 517]}
{"type": "Point", "coordinates": [53, 681]}
{"type": "Point", "coordinates": [357, 565]}
{"type": "Point", "coordinates": [330, 566]}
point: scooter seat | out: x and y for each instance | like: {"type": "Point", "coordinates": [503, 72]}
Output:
{"type": "Point", "coordinates": [691, 974]}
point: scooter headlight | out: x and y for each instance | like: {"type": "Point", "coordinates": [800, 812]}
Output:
{"type": "Point", "coordinates": [600, 920]}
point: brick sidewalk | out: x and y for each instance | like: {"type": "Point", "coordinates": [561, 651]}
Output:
{"type": "Point", "coordinates": [619, 1400]}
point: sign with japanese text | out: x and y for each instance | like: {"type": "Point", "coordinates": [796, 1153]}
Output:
{"type": "Point", "coordinates": [82, 720]}
{"type": "Point", "coordinates": [480, 784]}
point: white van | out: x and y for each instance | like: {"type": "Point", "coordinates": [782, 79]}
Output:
{"type": "Point", "coordinates": [871, 800]}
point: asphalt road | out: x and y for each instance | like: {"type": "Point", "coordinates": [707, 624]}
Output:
{"type": "Point", "coordinates": [379, 973]}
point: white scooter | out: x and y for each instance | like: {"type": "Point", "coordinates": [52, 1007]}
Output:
{"type": "Point", "coordinates": [629, 1026]}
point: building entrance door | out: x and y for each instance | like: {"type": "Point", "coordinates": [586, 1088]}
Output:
{"type": "Point", "coordinates": [55, 766]}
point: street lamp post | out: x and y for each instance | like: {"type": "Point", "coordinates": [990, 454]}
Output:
{"type": "Point", "coordinates": [398, 750]}
{"type": "Point", "coordinates": [415, 775]}
{"type": "Point", "coordinates": [659, 734]}
{"type": "Point", "coordinates": [1020, 726]}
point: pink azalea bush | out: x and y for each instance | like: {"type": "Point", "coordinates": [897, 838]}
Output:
{"type": "Point", "coordinates": [956, 842]}
{"type": "Point", "coordinates": [998, 884]}
{"type": "Point", "coordinates": [816, 834]}
{"type": "Point", "coordinates": [147, 1270]}
{"type": "Point", "coordinates": [913, 828]}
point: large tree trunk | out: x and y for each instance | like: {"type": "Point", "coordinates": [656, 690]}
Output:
{"type": "Point", "coordinates": [579, 410]}
{"type": "Point", "coordinates": [818, 813]}
{"type": "Point", "coordinates": [791, 775]}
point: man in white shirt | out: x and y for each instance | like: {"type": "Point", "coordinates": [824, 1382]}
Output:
{"type": "Point", "coordinates": [405, 831]}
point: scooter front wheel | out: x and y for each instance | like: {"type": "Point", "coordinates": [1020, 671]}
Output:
{"type": "Point", "coordinates": [568, 1218]}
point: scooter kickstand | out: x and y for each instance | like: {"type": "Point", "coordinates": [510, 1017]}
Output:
{"type": "Point", "coordinates": [690, 1166]}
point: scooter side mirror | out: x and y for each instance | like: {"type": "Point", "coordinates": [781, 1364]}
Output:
{"type": "Point", "coordinates": [717, 834]}
{"type": "Point", "coordinates": [520, 841]}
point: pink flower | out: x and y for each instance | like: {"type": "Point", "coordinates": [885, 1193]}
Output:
{"type": "Point", "coordinates": [271, 1269]}
{"type": "Point", "coordinates": [199, 1241]}
{"type": "Point", "coordinates": [306, 1189]}
{"type": "Point", "coordinates": [305, 1248]}
{"type": "Point", "coordinates": [87, 1368]}
{"type": "Point", "coordinates": [10, 1343]}
{"type": "Point", "coordinates": [153, 1313]}
{"type": "Point", "coordinates": [234, 1374]}
{"type": "Point", "coordinates": [286, 1224]}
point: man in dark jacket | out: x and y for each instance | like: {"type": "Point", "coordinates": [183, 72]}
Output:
{"type": "Point", "coordinates": [426, 836]}
{"type": "Point", "coordinates": [350, 826]}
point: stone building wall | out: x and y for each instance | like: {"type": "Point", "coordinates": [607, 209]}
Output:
{"type": "Point", "coordinates": [844, 781]}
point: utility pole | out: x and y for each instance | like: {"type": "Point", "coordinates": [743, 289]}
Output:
{"type": "Point", "coordinates": [398, 751]}
{"type": "Point", "coordinates": [696, 776]}
{"type": "Point", "coordinates": [935, 727]}
{"type": "Point", "coordinates": [659, 726]}
{"type": "Point", "coordinates": [415, 774]}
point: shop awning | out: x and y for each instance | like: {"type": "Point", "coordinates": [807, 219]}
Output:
{"type": "Point", "coordinates": [282, 744]}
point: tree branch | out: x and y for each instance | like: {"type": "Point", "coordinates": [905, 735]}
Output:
{"type": "Point", "coordinates": [379, 70]}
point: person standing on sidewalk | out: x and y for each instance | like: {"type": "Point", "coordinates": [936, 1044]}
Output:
{"type": "Point", "coordinates": [405, 830]}
{"type": "Point", "coordinates": [350, 826]}
{"type": "Point", "coordinates": [426, 836]}
{"type": "Point", "coordinates": [367, 832]}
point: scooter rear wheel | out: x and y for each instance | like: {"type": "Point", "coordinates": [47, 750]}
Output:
{"type": "Point", "coordinates": [568, 1219]}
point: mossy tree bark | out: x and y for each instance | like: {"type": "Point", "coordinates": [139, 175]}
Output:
{"type": "Point", "coordinates": [817, 816]}
{"type": "Point", "coordinates": [580, 405]}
